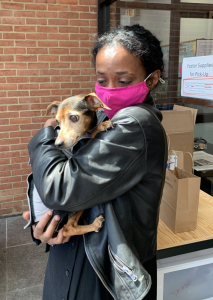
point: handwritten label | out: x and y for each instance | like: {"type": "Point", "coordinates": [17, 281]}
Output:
{"type": "Point", "coordinates": [178, 291]}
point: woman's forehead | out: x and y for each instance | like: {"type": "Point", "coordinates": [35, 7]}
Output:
{"type": "Point", "coordinates": [117, 58]}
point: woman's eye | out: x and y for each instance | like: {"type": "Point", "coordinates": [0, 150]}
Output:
{"type": "Point", "coordinates": [101, 82]}
{"type": "Point", "coordinates": [124, 82]}
{"type": "Point", "coordinates": [74, 118]}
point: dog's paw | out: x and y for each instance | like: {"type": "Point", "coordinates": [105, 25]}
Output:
{"type": "Point", "coordinates": [104, 126]}
{"type": "Point", "coordinates": [98, 223]}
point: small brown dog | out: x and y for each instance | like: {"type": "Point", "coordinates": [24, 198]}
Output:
{"type": "Point", "coordinates": [75, 116]}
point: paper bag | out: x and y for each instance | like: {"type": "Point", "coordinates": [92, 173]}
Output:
{"type": "Point", "coordinates": [179, 205]}
{"type": "Point", "coordinates": [179, 125]}
{"type": "Point", "coordinates": [181, 160]}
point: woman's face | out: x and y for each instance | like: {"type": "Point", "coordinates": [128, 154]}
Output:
{"type": "Point", "coordinates": [116, 67]}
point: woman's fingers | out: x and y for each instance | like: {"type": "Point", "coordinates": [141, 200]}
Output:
{"type": "Point", "coordinates": [47, 235]}
{"type": "Point", "coordinates": [39, 229]}
{"type": "Point", "coordinates": [26, 216]}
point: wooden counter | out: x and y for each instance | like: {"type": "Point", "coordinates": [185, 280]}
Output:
{"type": "Point", "coordinates": [171, 244]}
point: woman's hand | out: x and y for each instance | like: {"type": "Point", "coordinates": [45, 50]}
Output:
{"type": "Point", "coordinates": [46, 237]}
{"type": "Point", "coordinates": [51, 122]}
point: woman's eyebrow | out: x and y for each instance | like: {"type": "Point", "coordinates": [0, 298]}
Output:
{"type": "Point", "coordinates": [123, 72]}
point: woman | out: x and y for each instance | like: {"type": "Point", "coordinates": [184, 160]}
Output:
{"type": "Point", "coordinates": [120, 172]}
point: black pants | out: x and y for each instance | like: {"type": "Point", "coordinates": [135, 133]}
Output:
{"type": "Point", "coordinates": [151, 267]}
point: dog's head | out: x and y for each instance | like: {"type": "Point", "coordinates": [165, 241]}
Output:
{"type": "Point", "coordinates": [75, 116]}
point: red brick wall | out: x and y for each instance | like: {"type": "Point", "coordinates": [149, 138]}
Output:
{"type": "Point", "coordinates": [44, 57]}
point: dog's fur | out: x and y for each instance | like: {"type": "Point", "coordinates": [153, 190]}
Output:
{"type": "Point", "coordinates": [75, 116]}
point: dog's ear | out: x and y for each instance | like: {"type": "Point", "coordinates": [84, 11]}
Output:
{"type": "Point", "coordinates": [94, 102]}
{"type": "Point", "coordinates": [53, 108]}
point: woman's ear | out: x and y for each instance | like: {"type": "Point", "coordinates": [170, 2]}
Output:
{"type": "Point", "coordinates": [152, 81]}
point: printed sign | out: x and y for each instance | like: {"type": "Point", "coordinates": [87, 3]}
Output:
{"type": "Point", "coordinates": [197, 77]}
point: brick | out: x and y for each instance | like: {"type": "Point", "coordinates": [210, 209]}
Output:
{"type": "Point", "coordinates": [88, 30]}
{"type": "Point", "coordinates": [26, 58]}
{"type": "Point", "coordinates": [2, 80]}
{"type": "Point", "coordinates": [8, 100]}
{"type": "Point", "coordinates": [46, 15]}
{"type": "Point", "coordinates": [70, 58]}
{"type": "Point", "coordinates": [68, 43]}
{"type": "Point", "coordinates": [88, 85]}
{"type": "Point", "coordinates": [49, 86]}
{"type": "Point", "coordinates": [61, 92]}
{"type": "Point", "coordinates": [24, 14]}
{"type": "Point", "coordinates": [48, 44]}
{"type": "Point", "coordinates": [4, 135]}
{"type": "Point", "coordinates": [59, 65]}
{"type": "Point", "coordinates": [14, 6]}
{"type": "Point", "coordinates": [88, 16]}
{"type": "Point", "coordinates": [9, 168]}
{"type": "Point", "coordinates": [9, 128]}
{"type": "Point", "coordinates": [87, 71]}
{"type": "Point", "coordinates": [18, 107]}
{"type": "Point", "coordinates": [87, 44]}
{"type": "Point", "coordinates": [38, 93]}
{"type": "Point", "coordinates": [85, 2]}
{"type": "Point", "coordinates": [78, 23]}
{"type": "Point", "coordinates": [58, 51]}
{"type": "Point", "coordinates": [70, 72]}
{"type": "Point", "coordinates": [14, 51]}
{"type": "Point", "coordinates": [14, 36]}
{"type": "Point", "coordinates": [79, 51]}
{"type": "Point", "coordinates": [39, 120]}
{"type": "Point", "coordinates": [15, 66]}
{"type": "Point", "coordinates": [68, 2]}
{"type": "Point", "coordinates": [29, 100]}
{"type": "Point", "coordinates": [48, 58]}
{"type": "Point", "coordinates": [36, 36]}
{"type": "Point", "coordinates": [70, 85]}
{"type": "Point", "coordinates": [86, 58]}
{"type": "Point", "coordinates": [27, 72]}
{"type": "Point", "coordinates": [20, 121]}
{"type": "Point", "coordinates": [4, 162]}
{"type": "Point", "coordinates": [6, 58]}
{"type": "Point", "coordinates": [14, 21]}
{"type": "Point", "coordinates": [6, 13]}
{"type": "Point", "coordinates": [6, 43]}
{"type": "Point", "coordinates": [4, 122]}
{"type": "Point", "coordinates": [68, 29]}
{"type": "Point", "coordinates": [20, 197]}
{"type": "Point", "coordinates": [26, 43]}
{"type": "Point", "coordinates": [78, 8]}
{"type": "Point", "coordinates": [46, 1]}
{"type": "Point", "coordinates": [93, 23]}
{"type": "Point", "coordinates": [6, 211]}
{"type": "Point", "coordinates": [38, 66]}
{"type": "Point", "coordinates": [25, 28]}
{"type": "Point", "coordinates": [11, 192]}
{"type": "Point", "coordinates": [6, 28]}
{"type": "Point", "coordinates": [80, 78]}
{"type": "Point", "coordinates": [4, 148]}
{"type": "Point", "coordinates": [57, 36]}
{"type": "Point", "coordinates": [11, 204]}
{"type": "Point", "coordinates": [7, 87]}
{"type": "Point", "coordinates": [37, 51]}
{"type": "Point", "coordinates": [18, 94]}
{"type": "Point", "coordinates": [47, 29]}
{"type": "Point", "coordinates": [6, 186]}
{"type": "Point", "coordinates": [20, 184]}
{"type": "Point", "coordinates": [39, 79]}
{"type": "Point", "coordinates": [29, 126]}
{"type": "Point", "coordinates": [36, 21]}
{"type": "Point", "coordinates": [18, 147]}
{"type": "Point", "coordinates": [68, 15]}
{"type": "Point", "coordinates": [49, 72]}
{"type": "Point", "coordinates": [5, 174]}
{"type": "Point", "coordinates": [10, 179]}
{"type": "Point", "coordinates": [28, 86]}
{"type": "Point", "coordinates": [17, 79]}
{"type": "Point", "coordinates": [20, 134]}
{"type": "Point", "coordinates": [80, 65]}
{"type": "Point", "coordinates": [60, 79]}
{"type": "Point", "coordinates": [58, 22]}
{"type": "Point", "coordinates": [79, 36]}
{"type": "Point", "coordinates": [57, 8]}
{"type": "Point", "coordinates": [80, 91]}
{"type": "Point", "coordinates": [21, 208]}
{"type": "Point", "coordinates": [35, 7]}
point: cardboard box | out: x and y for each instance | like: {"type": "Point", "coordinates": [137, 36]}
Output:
{"type": "Point", "coordinates": [179, 205]}
{"type": "Point", "coordinates": [179, 125]}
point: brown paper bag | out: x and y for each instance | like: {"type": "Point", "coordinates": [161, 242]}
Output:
{"type": "Point", "coordinates": [180, 159]}
{"type": "Point", "coordinates": [179, 205]}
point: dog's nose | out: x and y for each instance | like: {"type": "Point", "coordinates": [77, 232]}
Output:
{"type": "Point", "coordinates": [59, 144]}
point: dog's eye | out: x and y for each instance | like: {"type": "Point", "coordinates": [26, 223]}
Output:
{"type": "Point", "coordinates": [74, 118]}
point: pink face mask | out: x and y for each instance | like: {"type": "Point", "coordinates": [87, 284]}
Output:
{"type": "Point", "coordinates": [121, 97]}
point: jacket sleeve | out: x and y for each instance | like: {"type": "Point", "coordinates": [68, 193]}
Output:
{"type": "Point", "coordinates": [105, 168]}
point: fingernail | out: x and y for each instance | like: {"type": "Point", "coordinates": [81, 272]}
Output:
{"type": "Point", "coordinates": [50, 213]}
{"type": "Point", "coordinates": [57, 218]}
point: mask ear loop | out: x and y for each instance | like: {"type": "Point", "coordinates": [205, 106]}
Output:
{"type": "Point", "coordinates": [148, 77]}
{"type": "Point", "coordinates": [161, 80]}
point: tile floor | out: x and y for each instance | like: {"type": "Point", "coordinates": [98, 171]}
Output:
{"type": "Point", "coordinates": [22, 264]}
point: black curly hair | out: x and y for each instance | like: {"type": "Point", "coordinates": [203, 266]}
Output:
{"type": "Point", "coordinates": [139, 41]}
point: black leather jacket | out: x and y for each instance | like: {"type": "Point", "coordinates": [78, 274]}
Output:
{"type": "Point", "coordinates": [120, 173]}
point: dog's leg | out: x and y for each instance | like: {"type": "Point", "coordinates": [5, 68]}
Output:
{"type": "Point", "coordinates": [102, 127]}
{"type": "Point", "coordinates": [72, 227]}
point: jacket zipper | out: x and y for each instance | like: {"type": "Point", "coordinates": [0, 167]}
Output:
{"type": "Point", "coordinates": [96, 271]}
{"type": "Point", "coordinates": [123, 267]}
